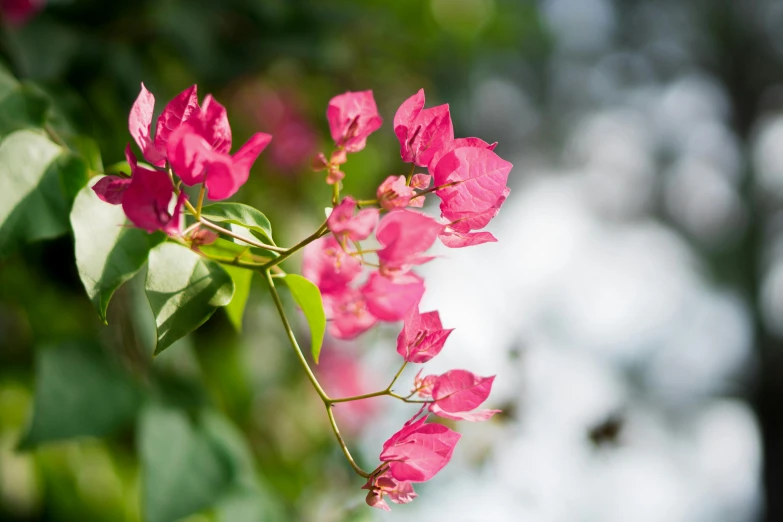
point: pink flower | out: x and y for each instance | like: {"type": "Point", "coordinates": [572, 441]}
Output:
{"type": "Point", "coordinates": [394, 193]}
{"type": "Point", "coordinates": [328, 266]}
{"type": "Point", "coordinates": [459, 143]}
{"type": "Point", "coordinates": [473, 187]}
{"type": "Point", "coordinates": [343, 224]}
{"type": "Point", "coordinates": [147, 198]}
{"type": "Point", "coordinates": [352, 117]}
{"type": "Point", "coordinates": [352, 311]}
{"type": "Point", "coordinates": [390, 300]}
{"type": "Point", "coordinates": [418, 451]}
{"type": "Point", "coordinates": [420, 181]}
{"type": "Point", "coordinates": [111, 188]}
{"type": "Point", "coordinates": [404, 235]}
{"type": "Point", "coordinates": [278, 112]}
{"type": "Point", "coordinates": [422, 336]}
{"type": "Point", "coordinates": [423, 385]}
{"type": "Point", "coordinates": [348, 312]}
{"type": "Point", "coordinates": [457, 392]}
{"type": "Point", "coordinates": [198, 152]}
{"type": "Point", "coordinates": [18, 12]}
{"type": "Point", "coordinates": [176, 112]}
{"type": "Point", "coordinates": [422, 132]}
{"type": "Point", "coordinates": [399, 492]}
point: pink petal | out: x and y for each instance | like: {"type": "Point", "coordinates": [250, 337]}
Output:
{"type": "Point", "coordinates": [471, 220]}
{"type": "Point", "coordinates": [146, 200]}
{"type": "Point", "coordinates": [404, 236]}
{"type": "Point", "coordinates": [352, 117]}
{"type": "Point", "coordinates": [176, 112]}
{"type": "Point", "coordinates": [342, 222]}
{"type": "Point", "coordinates": [420, 454]}
{"type": "Point", "coordinates": [390, 300]}
{"type": "Point", "coordinates": [139, 122]}
{"type": "Point", "coordinates": [248, 153]}
{"type": "Point", "coordinates": [421, 181]}
{"type": "Point", "coordinates": [422, 132]}
{"type": "Point", "coordinates": [409, 109]}
{"type": "Point", "coordinates": [348, 312]}
{"type": "Point", "coordinates": [475, 180]}
{"type": "Point", "coordinates": [399, 492]}
{"type": "Point", "coordinates": [454, 239]}
{"type": "Point", "coordinates": [436, 133]}
{"type": "Point", "coordinates": [422, 336]}
{"type": "Point", "coordinates": [188, 154]}
{"type": "Point", "coordinates": [375, 499]}
{"type": "Point", "coordinates": [212, 123]}
{"type": "Point", "coordinates": [473, 416]}
{"type": "Point", "coordinates": [222, 179]}
{"type": "Point", "coordinates": [173, 226]}
{"type": "Point", "coordinates": [225, 174]}
{"type": "Point", "coordinates": [459, 143]}
{"type": "Point", "coordinates": [328, 266]}
{"type": "Point", "coordinates": [394, 193]}
{"type": "Point", "coordinates": [423, 385]}
{"type": "Point", "coordinates": [459, 390]}
{"type": "Point", "coordinates": [18, 12]}
{"type": "Point", "coordinates": [403, 122]}
{"type": "Point", "coordinates": [111, 188]}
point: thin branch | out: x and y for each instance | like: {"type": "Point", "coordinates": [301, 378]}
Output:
{"type": "Point", "coordinates": [292, 338]}
{"type": "Point", "coordinates": [322, 231]}
{"type": "Point", "coordinates": [344, 447]}
{"type": "Point", "coordinates": [251, 242]}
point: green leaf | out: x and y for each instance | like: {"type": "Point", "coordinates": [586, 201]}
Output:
{"type": "Point", "coordinates": [184, 290]}
{"type": "Point", "coordinates": [184, 469]}
{"type": "Point", "coordinates": [242, 278]}
{"type": "Point", "coordinates": [239, 214]}
{"type": "Point", "coordinates": [308, 297]}
{"type": "Point", "coordinates": [21, 106]}
{"type": "Point", "coordinates": [38, 182]}
{"type": "Point", "coordinates": [79, 392]}
{"type": "Point", "coordinates": [248, 500]}
{"type": "Point", "coordinates": [108, 251]}
{"type": "Point", "coordinates": [227, 251]}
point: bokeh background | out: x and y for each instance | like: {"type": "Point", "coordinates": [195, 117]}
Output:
{"type": "Point", "coordinates": [632, 308]}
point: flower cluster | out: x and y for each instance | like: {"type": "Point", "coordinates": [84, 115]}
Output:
{"type": "Point", "coordinates": [359, 286]}
{"type": "Point", "coordinates": [470, 180]}
{"type": "Point", "coordinates": [191, 142]}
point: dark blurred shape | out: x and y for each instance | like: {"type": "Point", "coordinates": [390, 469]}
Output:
{"type": "Point", "coordinates": [607, 432]}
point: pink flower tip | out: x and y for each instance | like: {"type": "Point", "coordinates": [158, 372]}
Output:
{"type": "Point", "coordinates": [352, 117]}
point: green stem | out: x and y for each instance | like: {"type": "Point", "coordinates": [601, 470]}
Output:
{"type": "Point", "coordinates": [397, 375]}
{"type": "Point", "coordinates": [410, 174]}
{"type": "Point", "coordinates": [313, 380]}
{"type": "Point", "coordinates": [340, 440]}
{"type": "Point", "coordinates": [335, 193]}
{"type": "Point", "coordinates": [322, 231]}
{"type": "Point", "coordinates": [410, 401]}
{"type": "Point", "coordinates": [55, 137]}
{"type": "Point", "coordinates": [386, 391]}
{"type": "Point", "coordinates": [433, 189]}
{"type": "Point", "coordinates": [200, 199]}
{"type": "Point", "coordinates": [380, 393]}
{"type": "Point", "coordinates": [292, 338]}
